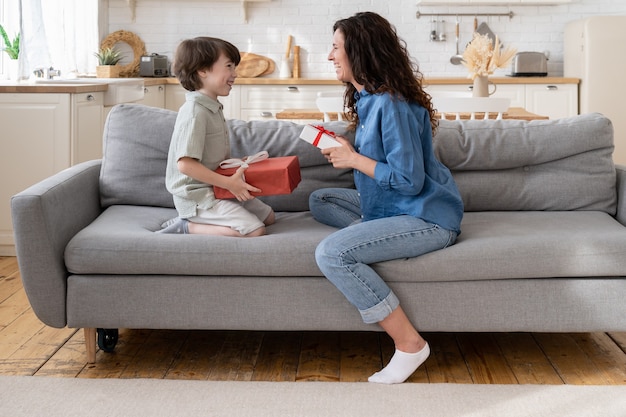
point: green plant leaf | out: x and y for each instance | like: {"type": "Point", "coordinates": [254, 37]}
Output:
{"type": "Point", "coordinates": [108, 56]}
{"type": "Point", "coordinates": [11, 48]}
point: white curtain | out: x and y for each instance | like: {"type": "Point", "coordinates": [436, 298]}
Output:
{"type": "Point", "coordinates": [58, 33]}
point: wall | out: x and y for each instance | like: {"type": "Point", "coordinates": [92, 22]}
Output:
{"type": "Point", "coordinates": [163, 24]}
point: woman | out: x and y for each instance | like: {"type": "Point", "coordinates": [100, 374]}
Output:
{"type": "Point", "coordinates": [405, 204]}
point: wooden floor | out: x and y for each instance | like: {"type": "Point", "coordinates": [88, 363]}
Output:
{"type": "Point", "coordinates": [28, 347]}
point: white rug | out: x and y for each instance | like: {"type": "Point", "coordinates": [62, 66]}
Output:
{"type": "Point", "coordinates": [69, 397]}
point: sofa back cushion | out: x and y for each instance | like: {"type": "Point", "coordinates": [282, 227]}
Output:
{"type": "Point", "coordinates": [136, 142]}
{"type": "Point", "coordinates": [134, 156]}
{"type": "Point", "coordinates": [563, 164]}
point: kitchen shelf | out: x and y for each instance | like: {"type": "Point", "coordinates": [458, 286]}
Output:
{"type": "Point", "coordinates": [510, 15]}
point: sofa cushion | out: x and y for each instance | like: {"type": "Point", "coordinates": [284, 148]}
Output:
{"type": "Point", "coordinates": [493, 245]}
{"type": "Point", "coordinates": [136, 142]}
{"type": "Point", "coordinates": [563, 164]}
{"type": "Point", "coordinates": [134, 156]}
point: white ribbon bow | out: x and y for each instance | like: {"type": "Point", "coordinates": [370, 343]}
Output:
{"type": "Point", "coordinates": [236, 162]}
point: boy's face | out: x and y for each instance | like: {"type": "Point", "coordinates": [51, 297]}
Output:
{"type": "Point", "coordinates": [218, 80]}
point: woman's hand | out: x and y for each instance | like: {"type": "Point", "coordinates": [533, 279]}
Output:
{"type": "Point", "coordinates": [345, 156]}
{"type": "Point", "coordinates": [341, 156]}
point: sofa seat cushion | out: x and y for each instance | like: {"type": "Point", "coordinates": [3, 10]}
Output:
{"type": "Point", "coordinates": [531, 244]}
{"type": "Point", "coordinates": [122, 241]}
{"type": "Point", "coordinates": [493, 245]}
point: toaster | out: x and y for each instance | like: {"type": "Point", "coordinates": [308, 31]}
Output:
{"type": "Point", "coordinates": [529, 64]}
{"type": "Point", "coordinates": [154, 65]}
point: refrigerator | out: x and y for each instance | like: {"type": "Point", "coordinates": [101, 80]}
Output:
{"type": "Point", "coordinates": [594, 52]}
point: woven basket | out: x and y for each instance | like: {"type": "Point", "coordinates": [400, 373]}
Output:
{"type": "Point", "coordinates": [108, 71]}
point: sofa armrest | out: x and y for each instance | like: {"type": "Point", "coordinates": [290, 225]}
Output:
{"type": "Point", "coordinates": [620, 215]}
{"type": "Point", "coordinates": [45, 217]}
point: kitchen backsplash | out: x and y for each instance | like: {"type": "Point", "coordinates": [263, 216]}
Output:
{"type": "Point", "coordinates": [163, 24]}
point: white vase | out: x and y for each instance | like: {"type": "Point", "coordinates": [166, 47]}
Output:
{"type": "Point", "coordinates": [12, 69]}
{"type": "Point", "coordinates": [481, 86]}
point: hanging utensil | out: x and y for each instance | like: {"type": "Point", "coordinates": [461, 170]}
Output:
{"type": "Point", "coordinates": [484, 29]}
{"type": "Point", "coordinates": [457, 59]}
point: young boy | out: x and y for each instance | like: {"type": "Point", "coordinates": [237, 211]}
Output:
{"type": "Point", "coordinates": [206, 68]}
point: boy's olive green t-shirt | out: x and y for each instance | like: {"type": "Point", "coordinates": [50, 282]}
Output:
{"type": "Point", "coordinates": [201, 133]}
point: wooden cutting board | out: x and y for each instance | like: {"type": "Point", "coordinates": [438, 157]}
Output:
{"type": "Point", "coordinates": [253, 65]}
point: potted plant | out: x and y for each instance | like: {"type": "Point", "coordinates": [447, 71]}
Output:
{"type": "Point", "coordinates": [11, 48]}
{"type": "Point", "coordinates": [108, 58]}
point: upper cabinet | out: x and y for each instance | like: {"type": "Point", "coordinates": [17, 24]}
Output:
{"type": "Point", "coordinates": [132, 4]}
{"type": "Point", "coordinates": [492, 2]}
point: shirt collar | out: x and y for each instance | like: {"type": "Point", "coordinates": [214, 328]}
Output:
{"type": "Point", "coordinates": [205, 101]}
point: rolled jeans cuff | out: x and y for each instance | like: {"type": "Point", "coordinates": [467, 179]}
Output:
{"type": "Point", "coordinates": [381, 310]}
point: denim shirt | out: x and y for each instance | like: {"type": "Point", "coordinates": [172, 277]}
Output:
{"type": "Point", "coordinates": [408, 179]}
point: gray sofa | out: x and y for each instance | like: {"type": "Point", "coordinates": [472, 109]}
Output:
{"type": "Point", "coordinates": [542, 248]}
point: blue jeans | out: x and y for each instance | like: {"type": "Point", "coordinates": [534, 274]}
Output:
{"type": "Point", "coordinates": [345, 255]}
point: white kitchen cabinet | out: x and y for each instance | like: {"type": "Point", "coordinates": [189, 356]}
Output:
{"type": "Point", "coordinates": [87, 120]}
{"type": "Point", "coordinates": [515, 92]}
{"type": "Point", "coordinates": [553, 100]}
{"type": "Point", "coordinates": [153, 96]}
{"type": "Point", "coordinates": [258, 101]}
{"type": "Point", "coordinates": [42, 134]}
{"type": "Point", "coordinates": [35, 133]}
{"type": "Point", "coordinates": [262, 102]}
{"type": "Point", "coordinates": [175, 97]}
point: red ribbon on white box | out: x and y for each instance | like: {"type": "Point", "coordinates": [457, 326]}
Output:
{"type": "Point", "coordinates": [236, 162]}
{"type": "Point", "coordinates": [320, 132]}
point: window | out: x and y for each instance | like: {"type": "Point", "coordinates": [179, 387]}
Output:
{"type": "Point", "coordinates": [61, 33]}
{"type": "Point", "coordinates": [9, 18]}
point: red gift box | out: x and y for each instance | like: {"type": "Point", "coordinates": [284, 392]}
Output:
{"type": "Point", "coordinates": [273, 176]}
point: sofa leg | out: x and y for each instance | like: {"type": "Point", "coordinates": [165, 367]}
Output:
{"type": "Point", "coordinates": [90, 343]}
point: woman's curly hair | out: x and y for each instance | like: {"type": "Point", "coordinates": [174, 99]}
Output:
{"type": "Point", "coordinates": [381, 63]}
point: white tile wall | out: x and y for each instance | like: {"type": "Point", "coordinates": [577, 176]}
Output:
{"type": "Point", "coordinates": [161, 24]}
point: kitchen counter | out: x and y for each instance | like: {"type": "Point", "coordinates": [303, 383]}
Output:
{"type": "Point", "coordinates": [314, 114]}
{"type": "Point", "coordinates": [503, 80]}
{"type": "Point", "coordinates": [73, 87]}
{"type": "Point", "coordinates": [431, 81]}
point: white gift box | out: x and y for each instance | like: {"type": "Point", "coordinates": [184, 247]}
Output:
{"type": "Point", "coordinates": [318, 136]}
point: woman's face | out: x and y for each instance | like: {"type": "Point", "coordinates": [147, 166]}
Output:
{"type": "Point", "coordinates": [343, 68]}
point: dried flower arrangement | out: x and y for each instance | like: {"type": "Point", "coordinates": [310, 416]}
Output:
{"type": "Point", "coordinates": [483, 56]}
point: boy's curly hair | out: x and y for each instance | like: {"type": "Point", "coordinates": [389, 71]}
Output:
{"type": "Point", "coordinates": [193, 55]}
{"type": "Point", "coordinates": [381, 63]}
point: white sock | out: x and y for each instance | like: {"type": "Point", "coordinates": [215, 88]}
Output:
{"type": "Point", "coordinates": [401, 366]}
{"type": "Point", "coordinates": [176, 225]}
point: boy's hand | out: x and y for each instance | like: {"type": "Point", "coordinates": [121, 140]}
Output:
{"type": "Point", "coordinates": [238, 186]}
